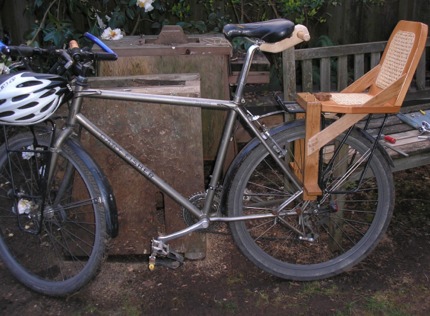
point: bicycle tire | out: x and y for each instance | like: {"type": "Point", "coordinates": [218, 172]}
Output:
{"type": "Point", "coordinates": [58, 253]}
{"type": "Point", "coordinates": [322, 238]}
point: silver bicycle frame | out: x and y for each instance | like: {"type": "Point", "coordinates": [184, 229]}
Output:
{"type": "Point", "coordinates": [234, 110]}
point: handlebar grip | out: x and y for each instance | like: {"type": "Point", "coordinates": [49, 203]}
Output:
{"type": "Point", "coordinates": [73, 44]}
{"type": "Point", "coordinates": [303, 36]}
{"type": "Point", "coordinates": [106, 56]}
{"type": "Point", "coordinates": [23, 51]}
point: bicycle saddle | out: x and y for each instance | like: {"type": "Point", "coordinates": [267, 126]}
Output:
{"type": "Point", "coordinates": [271, 31]}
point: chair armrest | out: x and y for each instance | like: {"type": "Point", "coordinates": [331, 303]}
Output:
{"type": "Point", "coordinates": [364, 82]}
{"type": "Point", "coordinates": [388, 95]}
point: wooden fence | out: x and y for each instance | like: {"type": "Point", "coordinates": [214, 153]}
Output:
{"type": "Point", "coordinates": [333, 68]}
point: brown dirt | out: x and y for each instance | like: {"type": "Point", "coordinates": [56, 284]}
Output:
{"type": "Point", "coordinates": [393, 280]}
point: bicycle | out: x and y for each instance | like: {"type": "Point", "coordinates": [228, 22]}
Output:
{"type": "Point", "coordinates": [58, 210]}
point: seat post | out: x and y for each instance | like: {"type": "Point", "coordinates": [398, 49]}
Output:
{"type": "Point", "coordinates": [241, 81]}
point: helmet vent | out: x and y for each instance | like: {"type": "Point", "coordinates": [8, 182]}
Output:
{"type": "Point", "coordinates": [20, 97]}
{"type": "Point", "coordinates": [48, 93]}
{"type": "Point", "coordinates": [6, 113]}
{"type": "Point", "coordinates": [31, 97]}
{"type": "Point", "coordinates": [28, 105]}
{"type": "Point", "coordinates": [29, 83]}
{"type": "Point", "coordinates": [27, 117]}
{"type": "Point", "coordinates": [46, 107]}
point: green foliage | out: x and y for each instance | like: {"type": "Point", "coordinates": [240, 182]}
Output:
{"type": "Point", "coordinates": [305, 10]}
{"type": "Point", "coordinates": [57, 21]}
{"type": "Point", "coordinates": [181, 9]}
{"type": "Point", "coordinates": [211, 14]}
{"type": "Point", "coordinates": [299, 11]}
{"type": "Point", "coordinates": [57, 31]}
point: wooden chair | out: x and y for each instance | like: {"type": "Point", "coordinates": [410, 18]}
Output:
{"type": "Point", "coordinates": [381, 90]}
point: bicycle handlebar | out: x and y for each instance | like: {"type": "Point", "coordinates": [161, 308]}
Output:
{"type": "Point", "coordinates": [23, 51]}
{"type": "Point", "coordinates": [110, 54]}
{"type": "Point", "coordinates": [70, 56]}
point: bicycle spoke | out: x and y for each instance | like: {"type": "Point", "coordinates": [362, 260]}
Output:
{"type": "Point", "coordinates": [60, 236]}
{"type": "Point", "coordinates": [316, 233]}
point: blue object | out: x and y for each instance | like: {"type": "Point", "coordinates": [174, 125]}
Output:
{"type": "Point", "coordinates": [414, 119]}
{"type": "Point", "coordinates": [99, 43]}
{"type": "Point", "coordinates": [2, 46]}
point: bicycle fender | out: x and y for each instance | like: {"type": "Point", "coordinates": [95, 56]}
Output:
{"type": "Point", "coordinates": [106, 192]}
{"type": "Point", "coordinates": [237, 161]}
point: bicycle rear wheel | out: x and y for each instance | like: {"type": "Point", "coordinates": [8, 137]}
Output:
{"type": "Point", "coordinates": [317, 239]}
{"type": "Point", "coordinates": [52, 242]}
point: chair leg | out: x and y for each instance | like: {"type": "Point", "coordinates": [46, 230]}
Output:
{"type": "Point", "coordinates": [311, 161]}
{"type": "Point", "coordinates": [316, 138]}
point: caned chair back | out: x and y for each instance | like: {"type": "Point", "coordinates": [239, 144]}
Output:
{"type": "Point", "coordinates": [401, 57]}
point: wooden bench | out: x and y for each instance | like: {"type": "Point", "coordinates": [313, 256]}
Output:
{"type": "Point", "coordinates": [259, 72]}
{"type": "Point", "coordinates": [406, 136]}
{"type": "Point", "coordinates": [335, 64]}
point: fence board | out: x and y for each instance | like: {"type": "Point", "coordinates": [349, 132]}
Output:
{"type": "Point", "coordinates": [289, 70]}
{"type": "Point", "coordinates": [340, 50]}
{"type": "Point", "coordinates": [307, 76]}
{"type": "Point", "coordinates": [374, 59]}
{"type": "Point", "coordinates": [342, 73]}
{"type": "Point", "coordinates": [421, 73]}
{"type": "Point", "coordinates": [325, 74]}
{"type": "Point", "coordinates": [358, 66]}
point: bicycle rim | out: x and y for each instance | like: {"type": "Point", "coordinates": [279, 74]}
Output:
{"type": "Point", "coordinates": [53, 243]}
{"type": "Point", "coordinates": [310, 240]}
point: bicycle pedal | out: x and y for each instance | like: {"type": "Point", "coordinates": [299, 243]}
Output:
{"type": "Point", "coordinates": [172, 260]}
{"type": "Point", "coordinates": [173, 255]}
{"type": "Point", "coordinates": [163, 256]}
{"type": "Point", "coordinates": [168, 263]}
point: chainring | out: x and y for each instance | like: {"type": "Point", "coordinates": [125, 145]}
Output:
{"type": "Point", "coordinates": [198, 200]}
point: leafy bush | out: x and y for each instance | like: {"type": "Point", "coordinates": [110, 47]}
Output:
{"type": "Point", "coordinates": [57, 21]}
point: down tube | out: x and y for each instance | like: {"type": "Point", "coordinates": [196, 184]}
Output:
{"type": "Point", "coordinates": [139, 166]}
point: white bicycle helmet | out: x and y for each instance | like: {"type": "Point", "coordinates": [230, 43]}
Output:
{"type": "Point", "coordinates": [28, 98]}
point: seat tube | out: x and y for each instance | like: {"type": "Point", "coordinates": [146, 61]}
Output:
{"type": "Point", "coordinates": [220, 159]}
{"type": "Point", "coordinates": [228, 128]}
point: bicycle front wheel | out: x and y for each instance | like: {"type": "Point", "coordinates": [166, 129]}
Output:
{"type": "Point", "coordinates": [310, 240]}
{"type": "Point", "coordinates": [54, 241]}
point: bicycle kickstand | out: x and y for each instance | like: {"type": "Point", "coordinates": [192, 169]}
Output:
{"type": "Point", "coordinates": [162, 255]}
